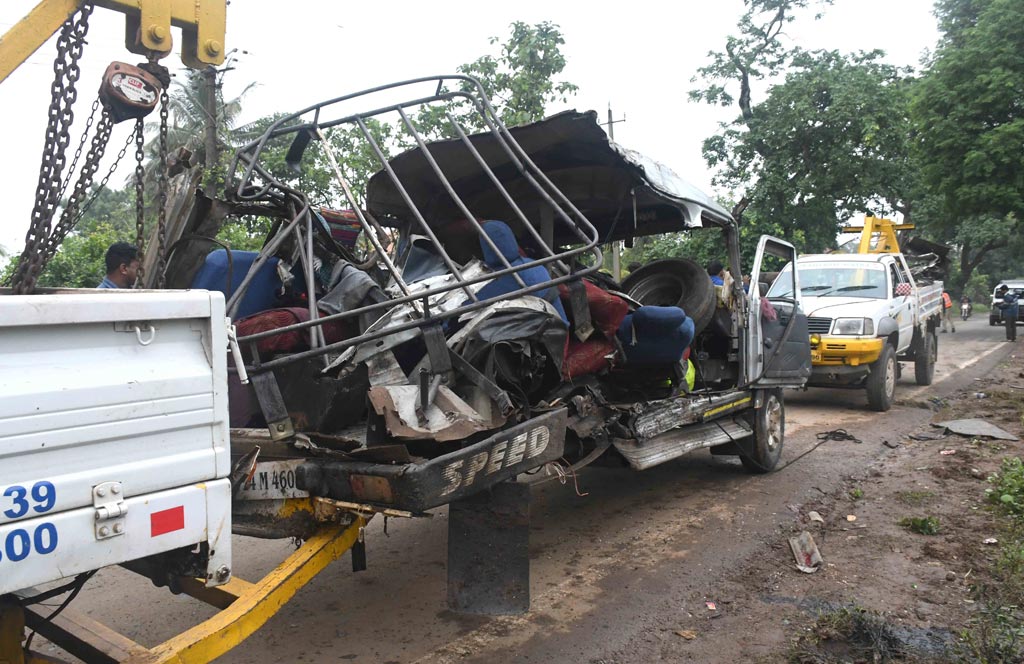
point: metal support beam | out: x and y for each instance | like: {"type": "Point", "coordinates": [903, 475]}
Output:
{"type": "Point", "coordinates": [489, 551]}
{"type": "Point", "coordinates": [258, 603]}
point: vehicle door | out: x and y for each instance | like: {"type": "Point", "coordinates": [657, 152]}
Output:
{"type": "Point", "coordinates": [902, 301]}
{"type": "Point", "coordinates": [778, 345]}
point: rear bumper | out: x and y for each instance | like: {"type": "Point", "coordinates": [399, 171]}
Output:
{"type": "Point", "coordinates": [419, 486]}
{"type": "Point", "coordinates": [833, 352]}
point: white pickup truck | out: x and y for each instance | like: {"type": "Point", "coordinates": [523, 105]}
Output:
{"type": "Point", "coordinates": [865, 314]}
{"type": "Point", "coordinates": [113, 432]}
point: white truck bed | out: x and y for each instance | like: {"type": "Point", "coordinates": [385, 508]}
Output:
{"type": "Point", "coordinates": [113, 431]}
{"type": "Point", "coordinates": [929, 300]}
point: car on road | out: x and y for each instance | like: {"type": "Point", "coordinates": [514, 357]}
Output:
{"type": "Point", "coordinates": [995, 315]}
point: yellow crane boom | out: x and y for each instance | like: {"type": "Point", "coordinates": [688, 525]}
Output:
{"type": "Point", "coordinates": [147, 29]}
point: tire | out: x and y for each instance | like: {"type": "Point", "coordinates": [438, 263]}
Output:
{"type": "Point", "coordinates": [674, 282]}
{"type": "Point", "coordinates": [769, 433]}
{"type": "Point", "coordinates": [881, 384]}
{"type": "Point", "coordinates": [925, 358]}
{"type": "Point", "coordinates": [991, 321]}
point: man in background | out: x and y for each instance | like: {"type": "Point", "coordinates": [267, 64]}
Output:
{"type": "Point", "coordinates": [717, 273]}
{"type": "Point", "coordinates": [947, 311]}
{"type": "Point", "coordinates": [122, 261]}
{"type": "Point", "coordinates": [1009, 305]}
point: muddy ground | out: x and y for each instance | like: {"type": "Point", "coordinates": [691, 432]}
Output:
{"type": "Point", "coordinates": [625, 572]}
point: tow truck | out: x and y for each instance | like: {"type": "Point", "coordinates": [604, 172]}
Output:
{"type": "Point", "coordinates": [867, 312]}
{"type": "Point", "coordinates": [434, 339]}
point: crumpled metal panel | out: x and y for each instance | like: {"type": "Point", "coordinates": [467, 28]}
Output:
{"type": "Point", "coordinates": [974, 427]}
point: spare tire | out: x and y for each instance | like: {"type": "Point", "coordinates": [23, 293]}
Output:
{"type": "Point", "coordinates": [674, 282]}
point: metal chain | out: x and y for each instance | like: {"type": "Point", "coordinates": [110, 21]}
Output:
{"type": "Point", "coordinates": [63, 95]}
{"type": "Point", "coordinates": [140, 193]}
{"type": "Point", "coordinates": [103, 183]}
{"type": "Point", "coordinates": [161, 199]}
{"type": "Point", "coordinates": [78, 150]}
{"type": "Point", "coordinates": [73, 208]}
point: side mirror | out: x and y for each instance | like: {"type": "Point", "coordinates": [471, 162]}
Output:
{"type": "Point", "coordinates": [762, 288]}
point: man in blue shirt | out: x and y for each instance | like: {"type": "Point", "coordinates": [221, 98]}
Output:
{"type": "Point", "coordinates": [1009, 305]}
{"type": "Point", "coordinates": [717, 273]}
{"type": "Point", "coordinates": [122, 261]}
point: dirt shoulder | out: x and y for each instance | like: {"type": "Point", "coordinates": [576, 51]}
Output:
{"type": "Point", "coordinates": [910, 548]}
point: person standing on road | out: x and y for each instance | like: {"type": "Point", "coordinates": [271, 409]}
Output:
{"type": "Point", "coordinates": [1010, 306]}
{"type": "Point", "coordinates": [122, 260]}
{"type": "Point", "coordinates": [947, 311]}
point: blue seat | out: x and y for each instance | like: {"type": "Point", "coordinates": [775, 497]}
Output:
{"type": "Point", "coordinates": [262, 291]}
{"type": "Point", "coordinates": [655, 336]}
{"type": "Point", "coordinates": [503, 238]}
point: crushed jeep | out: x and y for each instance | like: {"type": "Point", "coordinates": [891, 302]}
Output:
{"type": "Point", "coordinates": [441, 334]}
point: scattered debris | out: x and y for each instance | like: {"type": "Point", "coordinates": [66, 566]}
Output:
{"type": "Point", "coordinates": [711, 606]}
{"type": "Point", "coordinates": [950, 576]}
{"type": "Point", "coordinates": [990, 541]}
{"type": "Point", "coordinates": [975, 427]}
{"type": "Point", "coordinates": [980, 395]}
{"type": "Point", "coordinates": [851, 517]}
{"type": "Point", "coordinates": [808, 558]}
{"type": "Point", "coordinates": [947, 452]}
{"type": "Point", "coordinates": [977, 474]}
{"type": "Point", "coordinates": [814, 516]}
{"type": "Point", "coordinates": [891, 446]}
{"type": "Point", "coordinates": [687, 634]}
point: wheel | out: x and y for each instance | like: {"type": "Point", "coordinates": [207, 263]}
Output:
{"type": "Point", "coordinates": [674, 282]}
{"type": "Point", "coordinates": [992, 321]}
{"type": "Point", "coordinates": [925, 358]}
{"type": "Point", "coordinates": [882, 381]}
{"type": "Point", "coordinates": [769, 431]}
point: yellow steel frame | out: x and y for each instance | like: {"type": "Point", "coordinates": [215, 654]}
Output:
{"type": "Point", "coordinates": [147, 29]}
{"type": "Point", "coordinates": [886, 229]}
{"type": "Point", "coordinates": [245, 607]}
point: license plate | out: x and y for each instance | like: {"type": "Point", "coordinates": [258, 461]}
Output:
{"type": "Point", "coordinates": [273, 480]}
{"type": "Point", "coordinates": [815, 356]}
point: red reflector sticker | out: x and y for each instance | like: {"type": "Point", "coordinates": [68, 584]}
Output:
{"type": "Point", "coordinates": [167, 521]}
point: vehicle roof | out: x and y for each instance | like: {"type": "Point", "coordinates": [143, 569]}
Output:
{"type": "Point", "coordinates": [842, 258]}
{"type": "Point", "coordinates": [599, 177]}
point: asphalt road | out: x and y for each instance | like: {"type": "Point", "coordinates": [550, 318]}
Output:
{"type": "Point", "coordinates": [609, 568]}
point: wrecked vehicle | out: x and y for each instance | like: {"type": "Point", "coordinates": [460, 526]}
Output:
{"type": "Point", "coordinates": [448, 330]}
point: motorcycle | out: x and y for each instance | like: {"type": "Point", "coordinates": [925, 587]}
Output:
{"type": "Point", "coordinates": [965, 310]}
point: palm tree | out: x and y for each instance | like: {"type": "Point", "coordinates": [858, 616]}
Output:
{"type": "Point", "coordinates": [187, 121]}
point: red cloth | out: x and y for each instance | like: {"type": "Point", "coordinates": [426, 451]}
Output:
{"type": "Point", "coordinates": [587, 357]}
{"type": "Point", "coordinates": [606, 310]}
{"type": "Point", "coordinates": [295, 340]}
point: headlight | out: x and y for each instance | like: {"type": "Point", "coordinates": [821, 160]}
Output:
{"type": "Point", "coordinates": [858, 326]}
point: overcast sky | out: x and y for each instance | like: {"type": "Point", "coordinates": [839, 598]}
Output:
{"type": "Point", "coordinates": [639, 56]}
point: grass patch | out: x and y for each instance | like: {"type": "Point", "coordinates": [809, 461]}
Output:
{"type": "Point", "coordinates": [996, 633]}
{"type": "Point", "coordinates": [914, 498]}
{"type": "Point", "coordinates": [922, 525]}
{"type": "Point", "coordinates": [856, 493]}
{"type": "Point", "coordinates": [847, 635]}
{"type": "Point", "coordinates": [1007, 490]}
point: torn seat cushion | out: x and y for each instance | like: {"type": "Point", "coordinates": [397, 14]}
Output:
{"type": "Point", "coordinates": [606, 309]}
{"type": "Point", "coordinates": [505, 241]}
{"type": "Point", "coordinates": [288, 342]}
{"type": "Point", "coordinates": [653, 336]}
{"type": "Point", "coordinates": [587, 357]}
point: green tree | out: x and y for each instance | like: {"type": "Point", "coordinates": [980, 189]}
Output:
{"type": "Point", "coordinates": [969, 114]}
{"type": "Point", "coordinates": [519, 81]}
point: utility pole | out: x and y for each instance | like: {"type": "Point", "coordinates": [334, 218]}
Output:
{"type": "Point", "coordinates": [617, 245]}
{"type": "Point", "coordinates": [210, 125]}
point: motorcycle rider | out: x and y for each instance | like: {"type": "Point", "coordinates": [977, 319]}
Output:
{"type": "Point", "coordinates": [965, 306]}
